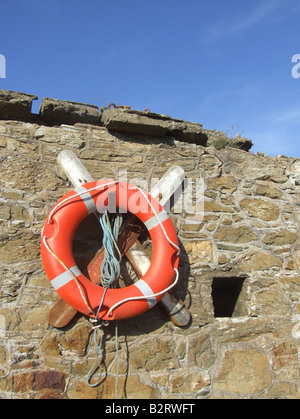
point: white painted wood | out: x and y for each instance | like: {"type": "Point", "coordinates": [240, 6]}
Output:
{"type": "Point", "coordinates": [169, 185]}
{"type": "Point", "coordinates": [175, 309]}
{"type": "Point", "coordinates": [139, 258]}
{"type": "Point", "coordinates": [2, 326]}
{"type": "Point", "coordinates": [165, 188]}
{"type": "Point", "coordinates": [73, 168]}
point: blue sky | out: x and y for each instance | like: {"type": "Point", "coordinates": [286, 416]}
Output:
{"type": "Point", "coordinates": [224, 63]}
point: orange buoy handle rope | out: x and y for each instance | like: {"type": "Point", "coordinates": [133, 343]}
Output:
{"type": "Point", "coordinates": [69, 281]}
{"type": "Point", "coordinates": [78, 192]}
{"type": "Point", "coordinates": [148, 296]}
{"type": "Point", "coordinates": [71, 274]}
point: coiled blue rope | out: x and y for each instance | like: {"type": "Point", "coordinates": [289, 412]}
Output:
{"type": "Point", "coordinates": [110, 267]}
{"type": "Point", "coordinates": [110, 270]}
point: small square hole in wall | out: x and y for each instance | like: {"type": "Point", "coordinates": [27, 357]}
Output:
{"type": "Point", "coordinates": [228, 297]}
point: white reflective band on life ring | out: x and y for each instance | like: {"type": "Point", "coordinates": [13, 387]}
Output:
{"type": "Point", "coordinates": [156, 220]}
{"type": "Point", "coordinates": [146, 290]}
{"type": "Point", "coordinates": [87, 199]}
{"type": "Point", "coordinates": [65, 277]}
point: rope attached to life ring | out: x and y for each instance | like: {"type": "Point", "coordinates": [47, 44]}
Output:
{"type": "Point", "coordinates": [110, 271]}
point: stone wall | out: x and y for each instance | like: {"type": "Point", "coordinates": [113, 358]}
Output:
{"type": "Point", "coordinates": [239, 265]}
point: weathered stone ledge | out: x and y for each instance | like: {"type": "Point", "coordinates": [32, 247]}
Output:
{"type": "Point", "coordinates": [156, 125]}
{"type": "Point", "coordinates": [55, 111]}
{"type": "Point", "coordinates": [17, 106]}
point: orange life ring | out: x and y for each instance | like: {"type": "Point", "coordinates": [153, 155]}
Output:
{"type": "Point", "coordinates": [68, 280]}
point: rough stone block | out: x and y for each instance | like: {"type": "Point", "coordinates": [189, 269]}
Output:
{"type": "Point", "coordinates": [152, 124]}
{"type": "Point", "coordinates": [16, 105]}
{"type": "Point", "coordinates": [136, 122]}
{"type": "Point", "coordinates": [259, 208]}
{"type": "Point", "coordinates": [243, 371]}
{"type": "Point", "coordinates": [50, 379]}
{"type": "Point", "coordinates": [55, 111]}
